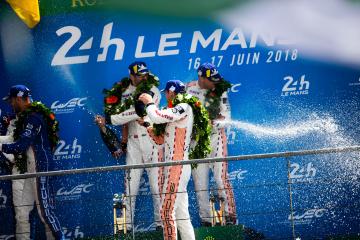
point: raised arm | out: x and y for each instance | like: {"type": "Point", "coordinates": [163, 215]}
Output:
{"type": "Point", "coordinates": [167, 115]}
{"type": "Point", "coordinates": [124, 117]}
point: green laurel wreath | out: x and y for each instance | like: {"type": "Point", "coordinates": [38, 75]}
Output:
{"type": "Point", "coordinates": [213, 98]}
{"type": "Point", "coordinates": [112, 100]}
{"type": "Point", "coordinates": [52, 130]}
{"type": "Point", "coordinates": [201, 126]}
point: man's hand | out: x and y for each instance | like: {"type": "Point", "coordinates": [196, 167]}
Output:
{"type": "Point", "coordinates": [146, 98]}
{"type": "Point", "coordinates": [117, 154]}
{"type": "Point", "coordinates": [143, 123]}
{"type": "Point", "coordinates": [100, 121]}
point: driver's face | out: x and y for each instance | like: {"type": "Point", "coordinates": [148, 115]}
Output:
{"type": "Point", "coordinates": [205, 83]}
{"type": "Point", "coordinates": [16, 103]}
{"type": "Point", "coordinates": [136, 79]}
{"type": "Point", "coordinates": [141, 77]}
{"type": "Point", "coordinates": [201, 82]}
{"type": "Point", "coordinates": [169, 95]}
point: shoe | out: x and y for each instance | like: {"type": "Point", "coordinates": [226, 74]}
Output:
{"type": "Point", "coordinates": [205, 224]}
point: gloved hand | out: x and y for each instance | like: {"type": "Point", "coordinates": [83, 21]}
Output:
{"type": "Point", "coordinates": [140, 108]}
{"type": "Point", "coordinates": [143, 99]}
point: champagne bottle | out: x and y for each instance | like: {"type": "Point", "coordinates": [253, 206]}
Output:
{"type": "Point", "coordinates": [110, 139]}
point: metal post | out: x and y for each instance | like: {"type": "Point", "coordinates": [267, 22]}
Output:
{"type": "Point", "coordinates": [290, 196]}
{"type": "Point", "coordinates": [115, 221]}
{"type": "Point", "coordinates": [123, 208]}
{"type": "Point", "coordinates": [130, 203]}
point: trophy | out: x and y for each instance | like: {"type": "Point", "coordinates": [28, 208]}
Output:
{"type": "Point", "coordinates": [119, 222]}
{"type": "Point", "coordinates": [218, 218]}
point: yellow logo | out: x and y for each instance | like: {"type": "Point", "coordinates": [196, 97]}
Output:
{"type": "Point", "coordinates": [208, 73]}
{"type": "Point", "coordinates": [135, 68]}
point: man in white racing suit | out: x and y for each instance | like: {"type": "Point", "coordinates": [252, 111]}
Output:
{"type": "Point", "coordinates": [208, 78]}
{"type": "Point", "coordinates": [140, 148]}
{"type": "Point", "coordinates": [179, 119]}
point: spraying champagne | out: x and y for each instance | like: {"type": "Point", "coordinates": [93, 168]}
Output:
{"type": "Point", "coordinates": [110, 139]}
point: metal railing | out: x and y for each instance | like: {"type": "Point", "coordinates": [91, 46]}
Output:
{"type": "Point", "coordinates": [127, 168]}
{"type": "Point", "coordinates": [185, 162]}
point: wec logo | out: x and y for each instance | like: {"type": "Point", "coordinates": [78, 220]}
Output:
{"type": "Point", "coordinates": [308, 214]}
{"type": "Point", "coordinates": [237, 175]}
{"type": "Point", "coordinates": [69, 106]}
{"type": "Point", "coordinates": [79, 189]}
{"type": "Point", "coordinates": [234, 88]}
{"type": "Point", "coordinates": [143, 228]}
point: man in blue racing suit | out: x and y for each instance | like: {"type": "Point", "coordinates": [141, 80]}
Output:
{"type": "Point", "coordinates": [33, 141]}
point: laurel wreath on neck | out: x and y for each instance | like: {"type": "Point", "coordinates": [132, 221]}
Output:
{"type": "Point", "coordinates": [213, 98]}
{"type": "Point", "coordinates": [201, 126]}
{"type": "Point", "coordinates": [112, 100]}
{"type": "Point", "coordinates": [52, 127]}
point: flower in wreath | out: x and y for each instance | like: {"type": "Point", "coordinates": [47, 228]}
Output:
{"type": "Point", "coordinates": [52, 116]}
{"type": "Point", "coordinates": [112, 99]}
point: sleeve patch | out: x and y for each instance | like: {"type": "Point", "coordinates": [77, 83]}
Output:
{"type": "Point", "coordinates": [178, 109]}
{"type": "Point", "coordinates": [27, 133]}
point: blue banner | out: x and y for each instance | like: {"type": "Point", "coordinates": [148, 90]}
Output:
{"type": "Point", "coordinates": [281, 100]}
